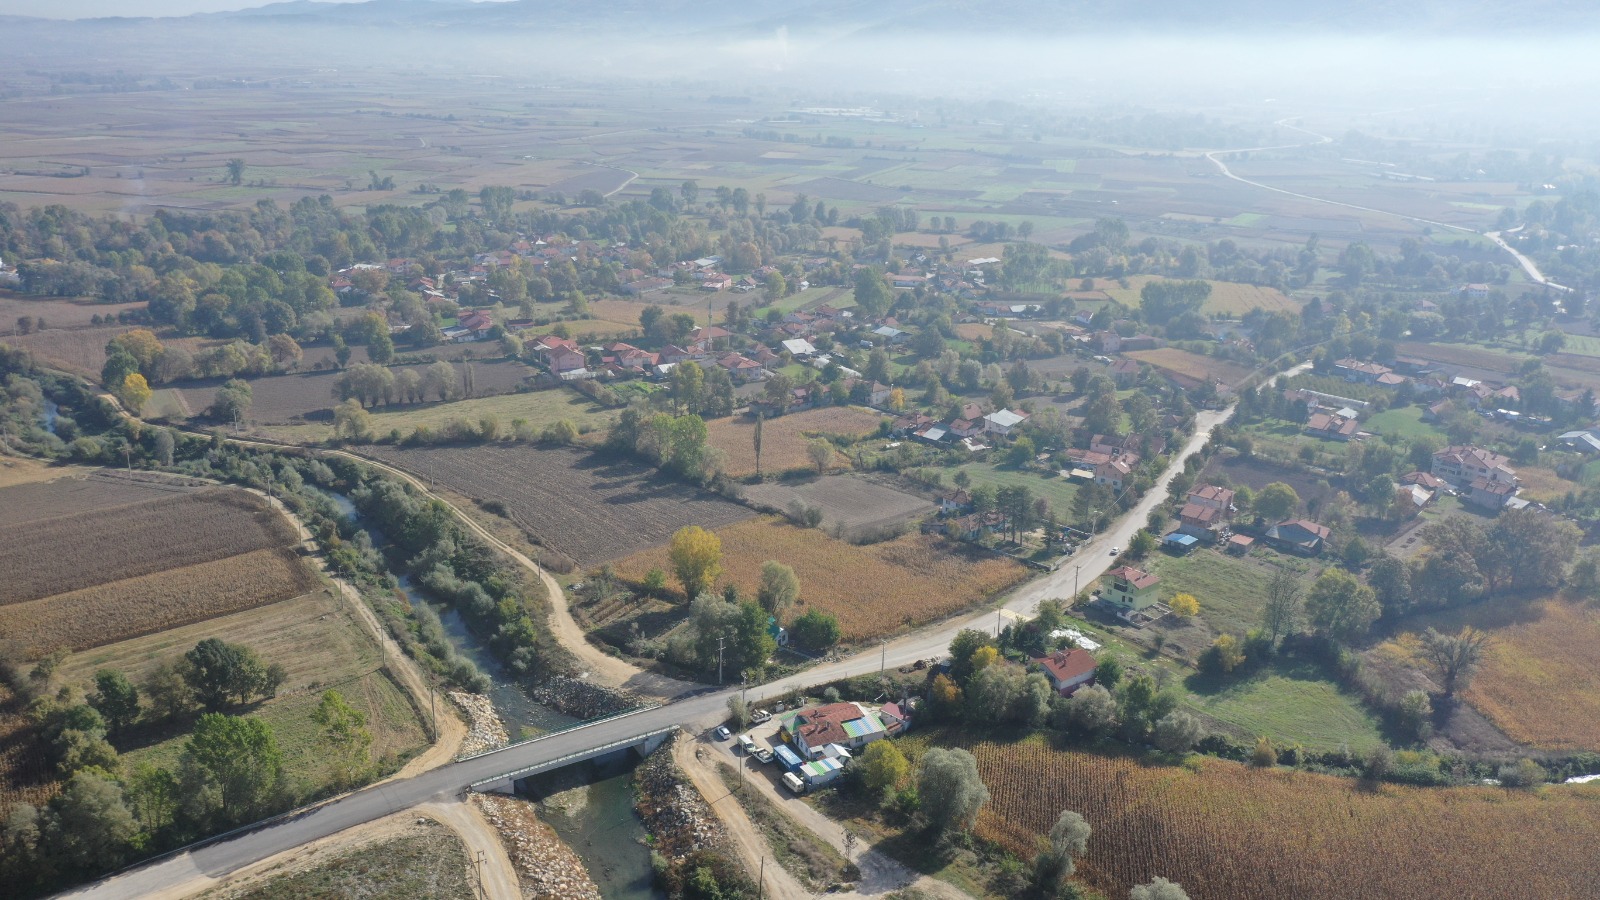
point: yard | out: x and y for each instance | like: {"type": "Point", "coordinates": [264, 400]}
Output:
{"type": "Point", "coordinates": [1291, 704]}
{"type": "Point", "coordinates": [1232, 591]}
{"type": "Point", "coordinates": [1054, 488]}
{"type": "Point", "coordinates": [1403, 422]}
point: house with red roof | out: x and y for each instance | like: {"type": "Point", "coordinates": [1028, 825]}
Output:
{"type": "Point", "coordinates": [1068, 670]}
{"type": "Point", "coordinates": [849, 725]}
{"type": "Point", "coordinates": [1129, 589]}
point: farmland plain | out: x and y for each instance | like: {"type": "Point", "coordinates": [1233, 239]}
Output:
{"type": "Point", "coordinates": [873, 590]}
{"type": "Point", "coordinates": [588, 506]}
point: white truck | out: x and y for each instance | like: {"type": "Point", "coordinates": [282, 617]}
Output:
{"type": "Point", "coordinates": [794, 782]}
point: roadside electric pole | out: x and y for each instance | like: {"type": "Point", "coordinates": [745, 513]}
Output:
{"type": "Point", "coordinates": [719, 659]}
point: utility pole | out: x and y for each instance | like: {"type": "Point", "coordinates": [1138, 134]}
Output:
{"type": "Point", "coordinates": [1076, 570]}
{"type": "Point", "coordinates": [761, 881]}
{"type": "Point", "coordinates": [719, 660]}
{"type": "Point", "coordinates": [477, 868]}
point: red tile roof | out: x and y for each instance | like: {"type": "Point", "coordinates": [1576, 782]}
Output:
{"type": "Point", "coordinates": [1139, 578]}
{"type": "Point", "coordinates": [1065, 665]}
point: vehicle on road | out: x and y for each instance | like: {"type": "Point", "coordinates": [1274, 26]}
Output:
{"type": "Point", "coordinates": [747, 745]}
{"type": "Point", "coordinates": [1116, 551]}
{"type": "Point", "coordinates": [723, 733]}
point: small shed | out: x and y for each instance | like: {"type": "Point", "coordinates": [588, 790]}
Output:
{"type": "Point", "coordinates": [1180, 544]}
{"type": "Point", "coordinates": [819, 772]}
{"type": "Point", "coordinates": [1240, 544]}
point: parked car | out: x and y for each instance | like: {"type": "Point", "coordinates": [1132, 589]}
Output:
{"type": "Point", "coordinates": [763, 755]}
{"type": "Point", "coordinates": [747, 745]}
{"type": "Point", "coordinates": [760, 716]}
{"type": "Point", "coordinates": [794, 783]}
{"type": "Point", "coordinates": [723, 733]}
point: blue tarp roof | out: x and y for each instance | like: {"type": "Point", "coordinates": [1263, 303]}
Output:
{"type": "Point", "coordinates": [1182, 540]}
{"type": "Point", "coordinates": [790, 759]}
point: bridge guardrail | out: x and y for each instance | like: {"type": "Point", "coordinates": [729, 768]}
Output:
{"type": "Point", "coordinates": [572, 757]}
{"type": "Point", "coordinates": [573, 727]}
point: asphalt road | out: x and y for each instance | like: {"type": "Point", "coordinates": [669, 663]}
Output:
{"type": "Point", "coordinates": [1092, 560]}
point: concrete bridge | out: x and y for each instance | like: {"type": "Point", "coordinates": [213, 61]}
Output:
{"type": "Point", "coordinates": [642, 744]}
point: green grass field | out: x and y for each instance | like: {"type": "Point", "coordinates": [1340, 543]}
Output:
{"type": "Point", "coordinates": [1404, 422]}
{"type": "Point", "coordinates": [540, 408]}
{"type": "Point", "coordinates": [1232, 591]}
{"type": "Point", "coordinates": [318, 641]}
{"type": "Point", "coordinates": [1292, 705]}
{"type": "Point", "coordinates": [1059, 491]}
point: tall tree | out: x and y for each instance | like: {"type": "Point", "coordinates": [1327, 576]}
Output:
{"type": "Point", "coordinates": [240, 759]}
{"type": "Point", "coordinates": [1455, 657]}
{"type": "Point", "coordinates": [1069, 839]}
{"type": "Point", "coordinates": [950, 789]}
{"type": "Point", "coordinates": [235, 171]}
{"type": "Point", "coordinates": [756, 439]}
{"type": "Point", "coordinates": [1282, 612]}
{"type": "Point", "coordinates": [696, 556]}
{"type": "Point", "coordinates": [345, 734]}
{"type": "Point", "coordinates": [779, 590]}
{"type": "Point", "coordinates": [1340, 606]}
{"type": "Point", "coordinates": [115, 698]}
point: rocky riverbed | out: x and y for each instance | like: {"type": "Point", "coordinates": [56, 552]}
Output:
{"type": "Point", "coordinates": [545, 866]}
{"type": "Point", "coordinates": [673, 811]}
{"type": "Point", "coordinates": [582, 699]}
{"type": "Point", "coordinates": [485, 731]}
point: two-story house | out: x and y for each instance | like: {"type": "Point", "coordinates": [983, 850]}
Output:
{"type": "Point", "coordinates": [1129, 589]}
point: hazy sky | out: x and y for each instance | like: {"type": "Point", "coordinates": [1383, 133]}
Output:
{"type": "Point", "coordinates": [78, 9]}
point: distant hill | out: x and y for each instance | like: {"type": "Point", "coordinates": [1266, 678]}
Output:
{"type": "Point", "coordinates": [1031, 18]}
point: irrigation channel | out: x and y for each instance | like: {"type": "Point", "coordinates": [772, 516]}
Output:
{"type": "Point", "coordinates": [589, 805]}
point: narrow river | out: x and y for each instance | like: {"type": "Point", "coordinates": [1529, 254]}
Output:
{"type": "Point", "coordinates": [590, 806]}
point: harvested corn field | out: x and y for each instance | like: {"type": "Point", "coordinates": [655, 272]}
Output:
{"type": "Point", "coordinates": [872, 590]}
{"type": "Point", "coordinates": [118, 610]}
{"type": "Point", "coordinates": [70, 553]}
{"type": "Point", "coordinates": [784, 438]}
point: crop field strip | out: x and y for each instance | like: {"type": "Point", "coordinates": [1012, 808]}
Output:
{"type": "Point", "coordinates": [589, 506]}
{"type": "Point", "coordinates": [873, 589]}
{"type": "Point", "coordinates": [784, 438]}
{"type": "Point", "coordinates": [848, 501]}
{"type": "Point", "coordinates": [24, 503]}
{"type": "Point", "coordinates": [118, 610]}
{"type": "Point", "coordinates": [1227, 830]}
{"type": "Point", "coordinates": [69, 553]}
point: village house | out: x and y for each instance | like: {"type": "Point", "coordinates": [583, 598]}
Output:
{"type": "Point", "coordinates": [955, 501]}
{"type": "Point", "coordinates": [975, 526]}
{"type": "Point", "coordinates": [1359, 372]}
{"type": "Point", "coordinates": [559, 355]}
{"type": "Point", "coordinates": [1124, 372]}
{"type": "Point", "coordinates": [1116, 472]}
{"type": "Point", "coordinates": [1301, 536]}
{"type": "Point", "coordinates": [1491, 495]}
{"type": "Point", "coordinates": [1130, 590]}
{"type": "Point", "coordinates": [1001, 422]}
{"type": "Point", "coordinates": [741, 368]}
{"type": "Point", "coordinates": [1332, 427]}
{"type": "Point", "coordinates": [1068, 670]}
{"type": "Point", "coordinates": [848, 725]}
{"type": "Point", "coordinates": [1462, 465]}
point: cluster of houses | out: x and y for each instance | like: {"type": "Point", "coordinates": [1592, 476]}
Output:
{"type": "Point", "coordinates": [818, 742]}
{"type": "Point", "coordinates": [971, 428]}
{"type": "Point", "coordinates": [1482, 478]}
